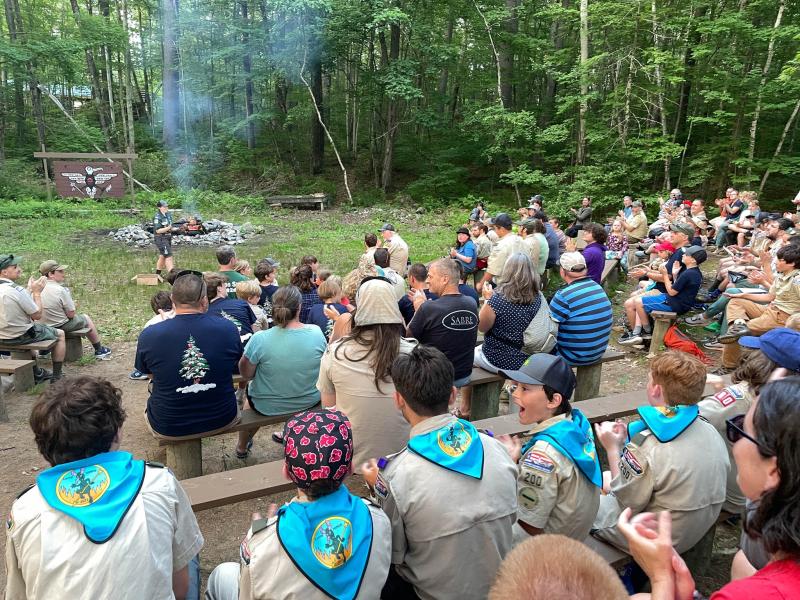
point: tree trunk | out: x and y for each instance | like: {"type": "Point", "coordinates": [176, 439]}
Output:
{"type": "Point", "coordinates": [580, 158]}
{"type": "Point", "coordinates": [127, 79]}
{"type": "Point", "coordinates": [391, 115]}
{"type": "Point", "coordinates": [317, 132]}
{"type": "Point", "coordinates": [19, 99]}
{"type": "Point", "coordinates": [786, 129]}
{"type": "Point", "coordinates": [248, 79]}
{"type": "Point", "coordinates": [171, 77]}
{"type": "Point", "coordinates": [506, 55]}
{"type": "Point", "coordinates": [660, 96]}
{"type": "Point", "coordinates": [764, 73]}
{"type": "Point", "coordinates": [445, 73]}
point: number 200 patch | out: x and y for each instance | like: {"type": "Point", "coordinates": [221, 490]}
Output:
{"type": "Point", "coordinates": [532, 478]}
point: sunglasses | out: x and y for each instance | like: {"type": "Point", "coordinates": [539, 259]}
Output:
{"type": "Point", "coordinates": [734, 431]}
{"type": "Point", "coordinates": [196, 274]}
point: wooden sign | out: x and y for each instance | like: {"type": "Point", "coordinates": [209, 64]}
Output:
{"type": "Point", "coordinates": [88, 179]}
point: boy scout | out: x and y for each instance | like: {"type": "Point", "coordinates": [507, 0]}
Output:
{"type": "Point", "coordinates": [325, 543]}
{"type": "Point", "coordinates": [669, 460]}
{"type": "Point", "coordinates": [559, 480]}
{"type": "Point", "coordinates": [450, 494]}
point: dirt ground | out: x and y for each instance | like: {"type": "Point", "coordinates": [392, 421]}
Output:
{"type": "Point", "coordinates": [224, 527]}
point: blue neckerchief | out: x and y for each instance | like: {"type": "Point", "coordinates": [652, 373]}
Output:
{"type": "Point", "coordinates": [96, 491]}
{"type": "Point", "coordinates": [574, 439]}
{"type": "Point", "coordinates": [329, 541]}
{"type": "Point", "coordinates": [666, 422]}
{"type": "Point", "coordinates": [456, 446]}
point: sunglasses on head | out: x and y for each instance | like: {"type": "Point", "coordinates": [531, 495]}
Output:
{"type": "Point", "coordinates": [734, 431]}
{"type": "Point", "coordinates": [196, 274]}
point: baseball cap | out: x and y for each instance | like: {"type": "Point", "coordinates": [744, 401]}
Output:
{"type": "Point", "coordinates": [502, 220]}
{"type": "Point", "coordinates": [6, 260]}
{"type": "Point", "coordinates": [49, 266]}
{"type": "Point", "coordinates": [572, 262]}
{"type": "Point", "coordinates": [377, 303]}
{"type": "Point", "coordinates": [387, 227]}
{"type": "Point", "coordinates": [781, 345]}
{"type": "Point", "coordinates": [317, 445]}
{"type": "Point", "coordinates": [683, 228]}
{"type": "Point", "coordinates": [161, 203]}
{"type": "Point", "coordinates": [271, 261]}
{"type": "Point", "coordinates": [545, 369]}
{"type": "Point", "coordinates": [662, 246]}
{"type": "Point", "coordinates": [462, 230]}
{"type": "Point", "coordinates": [697, 253]}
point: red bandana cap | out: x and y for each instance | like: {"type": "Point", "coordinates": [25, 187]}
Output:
{"type": "Point", "coordinates": [318, 444]}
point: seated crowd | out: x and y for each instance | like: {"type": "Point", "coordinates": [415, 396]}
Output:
{"type": "Point", "coordinates": [374, 380]}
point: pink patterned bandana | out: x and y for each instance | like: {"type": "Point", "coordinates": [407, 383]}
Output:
{"type": "Point", "coordinates": [318, 444]}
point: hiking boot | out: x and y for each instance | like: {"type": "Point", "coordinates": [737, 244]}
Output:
{"type": "Point", "coordinates": [713, 344]}
{"type": "Point", "coordinates": [630, 339]}
{"type": "Point", "coordinates": [734, 332]}
{"type": "Point", "coordinates": [695, 320]}
{"type": "Point", "coordinates": [138, 376]}
{"type": "Point", "coordinates": [103, 353]}
{"type": "Point", "coordinates": [40, 375]}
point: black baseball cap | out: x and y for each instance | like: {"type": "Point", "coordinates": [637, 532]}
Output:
{"type": "Point", "coordinates": [545, 369]}
{"type": "Point", "coordinates": [387, 227]}
{"type": "Point", "coordinates": [502, 220]}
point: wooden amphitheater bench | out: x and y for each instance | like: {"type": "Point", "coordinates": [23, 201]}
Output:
{"type": "Point", "coordinates": [22, 370]}
{"type": "Point", "coordinates": [74, 341]}
{"type": "Point", "coordinates": [611, 272]}
{"type": "Point", "coordinates": [588, 376]}
{"type": "Point", "coordinates": [23, 351]}
{"type": "Point", "coordinates": [313, 200]}
{"type": "Point", "coordinates": [661, 322]}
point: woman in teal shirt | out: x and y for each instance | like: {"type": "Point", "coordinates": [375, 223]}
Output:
{"type": "Point", "coordinates": [282, 364]}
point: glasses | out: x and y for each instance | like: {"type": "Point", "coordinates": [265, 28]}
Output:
{"type": "Point", "coordinates": [196, 274]}
{"type": "Point", "coordinates": [734, 431]}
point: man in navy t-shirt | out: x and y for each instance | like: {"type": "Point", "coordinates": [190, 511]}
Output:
{"type": "Point", "coordinates": [191, 360]}
{"type": "Point", "coordinates": [678, 298]}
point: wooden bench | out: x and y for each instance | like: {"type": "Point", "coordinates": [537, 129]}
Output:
{"type": "Point", "coordinates": [74, 341]}
{"type": "Point", "coordinates": [185, 457]}
{"type": "Point", "coordinates": [313, 199]}
{"type": "Point", "coordinates": [661, 322]}
{"type": "Point", "coordinates": [611, 272]}
{"type": "Point", "coordinates": [23, 351]}
{"type": "Point", "coordinates": [588, 376]}
{"type": "Point", "coordinates": [22, 370]}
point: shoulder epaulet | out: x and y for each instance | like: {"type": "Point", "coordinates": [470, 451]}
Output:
{"type": "Point", "coordinates": [154, 464]}
{"type": "Point", "coordinates": [370, 502]}
{"type": "Point", "coordinates": [384, 461]}
{"type": "Point", "coordinates": [262, 524]}
{"type": "Point", "coordinates": [640, 437]}
{"type": "Point", "coordinates": [25, 491]}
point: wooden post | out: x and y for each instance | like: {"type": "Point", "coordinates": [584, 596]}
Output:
{"type": "Point", "coordinates": [23, 378]}
{"type": "Point", "coordinates": [3, 412]}
{"type": "Point", "coordinates": [130, 181]}
{"type": "Point", "coordinates": [74, 349]}
{"type": "Point", "coordinates": [588, 381]}
{"type": "Point", "coordinates": [485, 400]}
{"type": "Point", "coordinates": [47, 176]}
{"type": "Point", "coordinates": [186, 458]}
{"type": "Point", "coordinates": [662, 321]}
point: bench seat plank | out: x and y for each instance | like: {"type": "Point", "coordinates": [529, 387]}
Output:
{"type": "Point", "coordinates": [22, 370]}
{"type": "Point", "coordinates": [227, 487]}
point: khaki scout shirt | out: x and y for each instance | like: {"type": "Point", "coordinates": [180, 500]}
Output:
{"type": "Point", "coordinates": [639, 224]}
{"type": "Point", "coordinates": [533, 249]}
{"type": "Point", "coordinates": [16, 306]}
{"type": "Point", "coordinates": [507, 246]}
{"type": "Point", "coordinates": [398, 254]}
{"type": "Point", "coordinates": [733, 400]}
{"type": "Point", "coordinates": [786, 288]}
{"type": "Point", "coordinates": [483, 245]}
{"type": "Point", "coordinates": [268, 573]}
{"type": "Point", "coordinates": [450, 532]}
{"type": "Point", "coordinates": [553, 494]}
{"type": "Point", "coordinates": [686, 476]}
{"type": "Point", "coordinates": [48, 556]}
{"type": "Point", "coordinates": [56, 302]}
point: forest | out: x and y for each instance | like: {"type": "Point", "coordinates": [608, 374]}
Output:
{"type": "Point", "coordinates": [428, 102]}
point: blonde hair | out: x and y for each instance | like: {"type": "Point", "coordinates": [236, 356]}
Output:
{"type": "Point", "coordinates": [330, 288]}
{"type": "Point", "coordinates": [241, 265]}
{"type": "Point", "coordinates": [682, 377]}
{"type": "Point", "coordinates": [555, 567]}
{"type": "Point", "coordinates": [248, 289]}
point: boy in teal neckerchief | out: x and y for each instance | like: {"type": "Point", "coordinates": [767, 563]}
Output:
{"type": "Point", "coordinates": [669, 459]}
{"type": "Point", "coordinates": [559, 475]}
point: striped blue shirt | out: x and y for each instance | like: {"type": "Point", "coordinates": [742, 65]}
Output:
{"type": "Point", "coordinates": [583, 312]}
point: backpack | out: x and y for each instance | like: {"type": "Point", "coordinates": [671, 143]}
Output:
{"type": "Point", "coordinates": [675, 339]}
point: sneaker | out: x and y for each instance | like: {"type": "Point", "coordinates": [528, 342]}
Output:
{"type": "Point", "coordinates": [713, 344]}
{"type": "Point", "coordinates": [103, 353]}
{"type": "Point", "coordinates": [713, 327]}
{"type": "Point", "coordinates": [630, 339]}
{"type": "Point", "coordinates": [646, 335]}
{"type": "Point", "coordinates": [709, 297]}
{"type": "Point", "coordinates": [694, 320]}
{"type": "Point", "coordinates": [40, 375]}
{"type": "Point", "coordinates": [734, 333]}
{"type": "Point", "coordinates": [138, 376]}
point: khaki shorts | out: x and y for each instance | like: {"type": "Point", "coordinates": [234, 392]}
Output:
{"type": "Point", "coordinates": [74, 324]}
{"type": "Point", "coordinates": [37, 333]}
{"type": "Point", "coordinates": [194, 436]}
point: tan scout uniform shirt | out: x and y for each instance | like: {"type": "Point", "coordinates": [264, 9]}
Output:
{"type": "Point", "coordinates": [685, 476]}
{"type": "Point", "coordinates": [553, 494]}
{"type": "Point", "coordinates": [450, 532]}
{"type": "Point", "coordinates": [56, 301]}
{"type": "Point", "coordinates": [507, 246]}
{"type": "Point", "coordinates": [378, 427]}
{"type": "Point", "coordinates": [48, 556]}
{"type": "Point", "coordinates": [16, 306]}
{"type": "Point", "coordinates": [483, 245]}
{"type": "Point", "coordinates": [733, 400]}
{"type": "Point", "coordinates": [639, 224]}
{"type": "Point", "coordinates": [398, 254]}
{"type": "Point", "coordinates": [268, 573]}
{"type": "Point", "coordinates": [786, 288]}
{"type": "Point", "coordinates": [533, 249]}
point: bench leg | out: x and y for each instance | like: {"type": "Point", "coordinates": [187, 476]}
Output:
{"type": "Point", "coordinates": [659, 331]}
{"type": "Point", "coordinates": [185, 458]}
{"type": "Point", "coordinates": [698, 557]}
{"type": "Point", "coordinates": [588, 381]}
{"type": "Point", "coordinates": [23, 379]}
{"type": "Point", "coordinates": [22, 355]}
{"type": "Point", "coordinates": [485, 400]}
{"type": "Point", "coordinates": [3, 412]}
{"type": "Point", "coordinates": [74, 349]}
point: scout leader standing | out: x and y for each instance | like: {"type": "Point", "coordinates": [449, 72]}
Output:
{"type": "Point", "coordinates": [325, 543]}
{"type": "Point", "coordinates": [559, 480]}
{"type": "Point", "coordinates": [162, 236]}
{"type": "Point", "coordinates": [450, 494]}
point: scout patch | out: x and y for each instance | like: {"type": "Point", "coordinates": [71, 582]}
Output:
{"type": "Point", "coordinates": [528, 498]}
{"type": "Point", "coordinates": [631, 462]}
{"type": "Point", "coordinates": [381, 488]}
{"type": "Point", "coordinates": [244, 552]}
{"type": "Point", "coordinates": [539, 461]}
{"type": "Point", "coordinates": [728, 396]}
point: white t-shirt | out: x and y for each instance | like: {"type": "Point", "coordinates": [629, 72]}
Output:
{"type": "Point", "coordinates": [48, 556]}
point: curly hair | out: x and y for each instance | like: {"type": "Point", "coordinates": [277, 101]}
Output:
{"type": "Point", "coordinates": [303, 278]}
{"type": "Point", "coordinates": [754, 369]}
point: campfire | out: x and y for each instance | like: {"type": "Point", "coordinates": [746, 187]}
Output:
{"type": "Point", "coordinates": [189, 232]}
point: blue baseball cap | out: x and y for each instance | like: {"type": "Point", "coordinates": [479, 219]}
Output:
{"type": "Point", "coordinates": [545, 369]}
{"type": "Point", "coordinates": [781, 345]}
